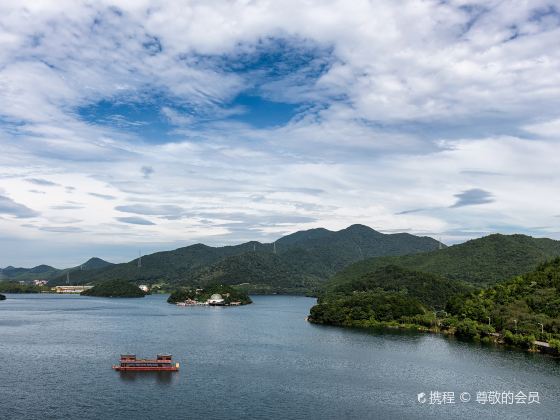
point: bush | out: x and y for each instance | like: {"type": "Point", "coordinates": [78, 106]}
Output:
{"type": "Point", "coordinates": [467, 329]}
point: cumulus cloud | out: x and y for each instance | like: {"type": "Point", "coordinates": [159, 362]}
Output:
{"type": "Point", "coordinates": [462, 96]}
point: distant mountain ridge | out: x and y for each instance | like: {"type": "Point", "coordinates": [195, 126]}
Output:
{"type": "Point", "coordinates": [46, 272]}
{"type": "Point", "coordinates": [294, 263]}
{"type": "Point", "coordinates": [483, 261]}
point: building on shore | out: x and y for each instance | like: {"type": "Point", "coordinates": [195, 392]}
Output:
{"type": "Point", "coordinates": [71, 289]}
{"type": "Point", "coordinates": [216, 300]}
{"type": "Point", "coordinates": [40, 282]}
{"type": "Point", "coordinates": [144, 288]}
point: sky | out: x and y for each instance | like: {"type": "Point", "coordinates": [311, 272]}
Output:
{"type": "Point", "coordinates": [138, 126]}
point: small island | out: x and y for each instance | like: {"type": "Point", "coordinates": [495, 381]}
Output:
{"type": "Point", "coordinates": [215, 295]}
{"type": "Point", "coordinates": [115, 288]}
{"type": "Point", "coordinates": [2, 297]}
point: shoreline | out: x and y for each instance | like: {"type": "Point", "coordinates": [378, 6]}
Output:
{"type": "Point", "coordinates": [496, 339]}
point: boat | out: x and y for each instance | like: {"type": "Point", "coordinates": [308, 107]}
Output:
{"type": "Point", "coordinates": [162, 363]}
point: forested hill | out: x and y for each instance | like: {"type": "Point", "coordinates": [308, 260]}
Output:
{"type": "Point", "coordinates": [300, 261]}
{"type": "Point", "coordinates": [387, 294]}
{"type": "Point", "coordinates": [46, 272]}
{"type": "Point", "coordinates": [526, 304]}
{"type": "Point", "coordinates": [482, 261]}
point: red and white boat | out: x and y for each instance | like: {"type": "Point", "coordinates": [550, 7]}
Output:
{"type": "Point", "coordinates": [162, 363]}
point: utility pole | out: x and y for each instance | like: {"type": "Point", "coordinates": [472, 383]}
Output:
{"type": "Point", "coordinates": [68, 277]}
{"type": "Point", "coordinates": [488, 320]}
{"type": "Point", "coordinates": [515, 322]}
{"type": "Point", "coordinates": [139, 258]}
{"type": "Point", "coordinates": [274, 247]}
{"type": "Point", "coordinates": [542, 327]}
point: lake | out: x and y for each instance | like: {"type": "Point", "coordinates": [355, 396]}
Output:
{"type": "Point", "coordinates": [261, 361]}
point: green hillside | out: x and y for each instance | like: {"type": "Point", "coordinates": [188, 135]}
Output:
{"type": "Point", "coordinates": [297, 263]}
{"type": "Point", "coordinates": [518, 305]}
{"type": "Point", "coordinates": [387, 294]}
{"type": "Point", "coordinates": [482, 261]}
{"type": "Point", "coordinates": [430, 289]}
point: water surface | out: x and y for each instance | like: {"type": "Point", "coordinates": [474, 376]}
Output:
{"type": "Point", "coordinates": [258, 361]}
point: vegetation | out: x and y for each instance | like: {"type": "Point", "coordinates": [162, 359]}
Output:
{"type": "Point", "coordinates": [388, 294]}
{"type": "Point", "coordinates": [482, 262]}
{"type": "Point", "coordinates": [365, 309]}
{"type": "Point", "coordinates": [517, 311]}
{"type": "Point", "coordinates": [229, 294]}
{"type": "Point", "coordinates": [299, 263]}
{"type": "Point", "coordinates": [16, 287]}
{"type": "Point", "coordinates": [429, 289]}
{"type": "Point", "coordinates": [115, 288]}
{"type": "Point", "coordinates": [17, 273]}
{"type": "Point", "coordinates": [522, 307]}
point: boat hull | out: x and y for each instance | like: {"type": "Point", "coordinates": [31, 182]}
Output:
{"type": "Point", "coordinates": [146, 368]}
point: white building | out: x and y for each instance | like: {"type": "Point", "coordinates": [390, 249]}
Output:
{"type": "Point", "coordinates": [144, 288]}
{"type": "Point", "coordinates": [216, 299]}
{"type": "Point", "coordinates": [40, 282]}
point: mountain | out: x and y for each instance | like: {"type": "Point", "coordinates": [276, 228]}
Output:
{"type": "Point", "coordinates": [482, 261]}
{"type": "Point", "coordinates": [38, 272]}
{"type": "Point", "coordinates": [46, 272]}
{"type": "Point", "coordinates": [94, 263]}
{"type": "Point", "coordinates": [299, 262]}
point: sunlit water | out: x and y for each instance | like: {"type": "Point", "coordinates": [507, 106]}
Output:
{"type": "Point", "coordinates": [258, 361]}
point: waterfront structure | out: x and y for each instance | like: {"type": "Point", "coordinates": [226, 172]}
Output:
{"type": "Point", "coordinates": [40, 282]}
{"type": "Point", "coordinates": [71, 289]}
{"type": "Point", "coordinates": [216, 300]}
{"type": "Point", "coordinates": [144, 288]}
{"type": "Point", "coordinates": [162, 363]}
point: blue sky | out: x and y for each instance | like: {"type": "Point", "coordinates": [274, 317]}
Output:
{"type": "Point", "coordinates": [152, 125]}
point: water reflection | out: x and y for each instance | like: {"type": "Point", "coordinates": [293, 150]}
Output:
{"type": "Point", "coordinates": [165, 378]}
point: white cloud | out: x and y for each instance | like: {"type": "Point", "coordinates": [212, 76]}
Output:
{"type": "Point", "coordinates": [405, 106]}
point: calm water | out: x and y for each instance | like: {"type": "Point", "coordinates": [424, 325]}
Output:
{"type": "Point", "coordinates": [259, 361]}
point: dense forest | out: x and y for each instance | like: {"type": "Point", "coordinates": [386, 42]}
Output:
{"type": "Point", "coordinates": [523, 306]}
{"type": "Point", "coordinates": [228, 293]}
{"type": "Point", "coordinates": [115, 288]}
{"type": "Point", "coordinates": [482, 261]}
{"type": "Point", "coordinates": [385, 295]}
